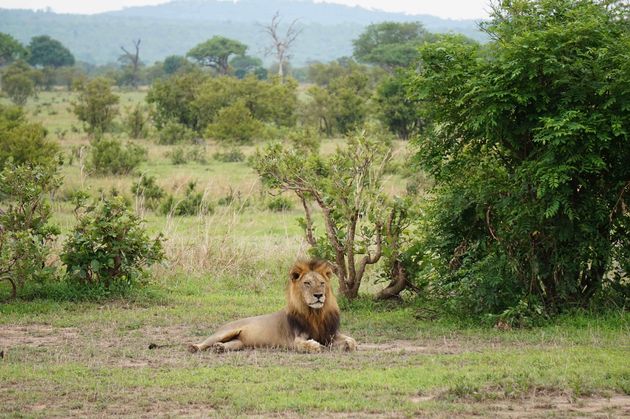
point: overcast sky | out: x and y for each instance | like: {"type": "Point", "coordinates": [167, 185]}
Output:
{"type": "Point", "coordinates": [455, 9]}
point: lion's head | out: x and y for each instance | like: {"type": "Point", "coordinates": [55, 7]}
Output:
{"type": "Point", "coordinates": [311, 303]}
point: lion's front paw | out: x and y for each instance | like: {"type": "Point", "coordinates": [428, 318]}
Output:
{"type": "Point", "coordinates": [311, 346]}
{"type": "Point", "coordinates": [349, 345]}
{"type": "Point", "coordinates": [192, 348]}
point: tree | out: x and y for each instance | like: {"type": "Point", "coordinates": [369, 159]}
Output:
{"type": "Point", "coordinates": [173, 63]}
{"type": "Point", "coordinates": [22, 142]}
{"type": "Point", "coordinates": [96, 106]}
{"type": "Point", "coordinates": [281, 44]}
{"type": "Point", "coordinates": [131, 62]}
{"type": "Point", "coordinates": [215, 53]}
{"type": "Point", "coordinates": [18, 87]}
{"type": "Point", "coordinates": [10, 49]}
{"type": "Point", "coordinates": [529, 147]}
{"type": "Point", "coordinates": [47, 52]}
{"type": "Point", "coordinates": [244, 65]}
{"type": "Point", "coordinates": [347, 189]}
{"type": "Point", "coordinates": [396, 110]}
{"type": "Point", "coordinates": [390, 44]}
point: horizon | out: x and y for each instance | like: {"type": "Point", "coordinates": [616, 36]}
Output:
{"type": "Point", "coordinates": [445, 9]}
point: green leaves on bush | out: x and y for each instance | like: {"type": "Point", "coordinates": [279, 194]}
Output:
{"type": "Point", "coordinates": [234, 123]}
{"type": "Point", "coordinates": [25, 232]}
{"type": "Point", "coordinates": [110, 246]}
{"type": "Point", "coordinates": [22, 141]}
{"type": "Point", "coordinates": [147, 191]}
{"type": "Point", "coordinates": [175, 133]}
{"type": "Point", "coordinates": [109, 157]}
{"type": "Point", "coordinates": [530, 147]}
{"type": "Point", "coordinates": [96, 106]}
{"type": "Point", "coordinates": [193, 203]}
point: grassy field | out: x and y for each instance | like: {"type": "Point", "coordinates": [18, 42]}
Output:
{"type": "Point", "coordinates": [76, 358]}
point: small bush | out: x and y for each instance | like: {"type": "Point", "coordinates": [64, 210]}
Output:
{"type": "Point", "coordinates": [96, 106]}
{"type": "Point", "coordinates": [183, 155]}
{"type": "Point", "coordinates": [148, 191]}
{"type": "Point", "coordinates": [193, 203]}
{"type": "Point", "coordinates": [22, 141]}
{"type": "Point", "coordinates": [18, 88]}
{"type": "Point", "coordinates": [231, 155]}
{"type": "Point", "coordinates": [136, 122]}
{"type": "Point", "coordinates": [279, 204]}
{"type": "Point", "coordinates": [108, 156]}
{"type": "Point", "coordinates": [25, 232]}
{"type": "Point", "coordinates": [175, 133]}
{"type": "Point", "coordinates": [109, 246]}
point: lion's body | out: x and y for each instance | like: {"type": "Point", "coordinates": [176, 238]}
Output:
{"type": "Point", "coordinates": [310, 320]}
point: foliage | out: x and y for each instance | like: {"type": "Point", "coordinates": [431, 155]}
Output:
{"type": "Point", "coordinates": [173, 63]}
{"type": "Point", "coordinates": [47, 52]}
{"type": "Point", "coordinates": [244, 65]}
{"type": "Point", "coordinates": [109, 246]}
{"type": "Point", "coordinates": [136, 122]}
{"type": "Point", "coordinates": [109, 157]}
{"type": "Point", "coordinates": [193, 203]}
{"type": "Point", "coordinates": [339, 103]}
{"type": "Point", "coordinates": [400, 114]}
{"type": "Point", "coordinates": [22, 141]}
{"type": "Point", "coordinates": [215, 52]}
{"type": "Point", "coordinates": [230, 155]}
{"type": "Point", "coordinates": [18, 87]}
{"type": "Point", "coordinates": [347, 189]}
{"type": "Point", "coordinates": [10, 49]}
{"type": "Point", "coordinates": [96, 106]}
{"type": "Point", "coordinates": [182, 155]}
{"type": "Point", "coordinates": [175, 133]}
{"type": "Point", "coordinates": [279, 204]}
{"type": "Point", "coordinates": [148, 191]}
{"type": "Point", "coordinates": [529, 146]}
{"type": "Point", "coordinates": [172, 98]}
{"type": "Point", "coordinates": [234, 123]}
{"type": "Point", "coordinates": [390, 44]}
{"type": "Point", "coordinates": [25, 232]}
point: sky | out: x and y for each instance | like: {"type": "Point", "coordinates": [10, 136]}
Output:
{"type": "Point", "coordinates": [454, 9]}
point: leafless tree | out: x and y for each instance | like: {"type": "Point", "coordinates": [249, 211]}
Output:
{"type": "Point", "coordinates": [133, 61]}
{"type": "Point", "coordinates": [281, 43]}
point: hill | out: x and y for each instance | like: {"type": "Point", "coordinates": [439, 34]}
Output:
{"type": "Point", "coordinates": [175, 27]}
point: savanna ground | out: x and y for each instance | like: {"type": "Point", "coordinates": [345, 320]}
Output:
{"type": "Point", "coordinates": [76, 358]}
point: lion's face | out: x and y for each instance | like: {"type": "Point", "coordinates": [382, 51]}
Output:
{"type": "Point", "coordinates": [312, 283]}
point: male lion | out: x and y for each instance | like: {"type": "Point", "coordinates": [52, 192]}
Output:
{"type": "Point", "coordinates": [309, 322]}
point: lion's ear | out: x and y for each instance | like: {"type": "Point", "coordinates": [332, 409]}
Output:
{"type": "Point", "coordinates": [327, 269]}
{"type": "Point", "coordinates": [296, 272]}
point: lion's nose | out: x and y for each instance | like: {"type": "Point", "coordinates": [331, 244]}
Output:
{"type": "Point", "coordinates": [318, 296]}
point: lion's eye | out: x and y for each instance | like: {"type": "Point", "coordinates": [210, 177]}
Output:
{"type": "Point", "coordinates": [321, 283]}
{"type": "Point", "coordinates": [308, 284]}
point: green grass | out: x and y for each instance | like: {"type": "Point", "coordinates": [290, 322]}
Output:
{"type": "Point", "coordinates": [68, 355]}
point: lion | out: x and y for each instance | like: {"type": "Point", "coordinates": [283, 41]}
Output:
{"type": "Point", "coordinates": [309, 322]}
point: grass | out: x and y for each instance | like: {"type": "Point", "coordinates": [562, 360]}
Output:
{"type": "Point", "coordinates": [68, 356]}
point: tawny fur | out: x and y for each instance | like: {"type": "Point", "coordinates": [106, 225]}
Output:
{"type": "Point", "coordinates": [309, 322]}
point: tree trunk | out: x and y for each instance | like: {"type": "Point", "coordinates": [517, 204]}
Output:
{"type": "Point", "coordinates": [396, 285]}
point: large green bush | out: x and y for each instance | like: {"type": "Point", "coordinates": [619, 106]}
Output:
{"type": "Point", "coordinates": [25, 231]}
{"type": "Point", "coordinates": [530, 150]}
{"type": "Point", "coordinates": [96, 106]}
{"type": "Point", "coordinates": [109, 246]}
{"type": "Point", "coordinates": [234, 123]}
{"type": "Point", "coordinates": [22, 141]}
{"type": "Point", "coordinates": [108, 156]}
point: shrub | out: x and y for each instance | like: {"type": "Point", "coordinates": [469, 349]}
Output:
{"type": "Point", "coordinates": [25, 232]}
{"type": "Point", "coordinates": [136, 122]}
{"type": "Point", "coordinates": [231, 155]}
{"type": "Point", "coordinates": [109, 246]}
{"type": "Point", "coordinates": [23, 142]}
{"type": "Point", "coordinates": [108, 156]}
{"type": "Point", "coordinates": [234, 123]}
{"type": "Point", "coordinates": [193, 203]}
{"type": "Point", "coordinates": [183, 155]}
{"type": "Point", "coordinates": [175, 133]}
{"type": "Point", "coordinates": [148, 191]}
{"type": "Point", "coordinates": [279, 204]}
{"type": "Point", "coordinates": [96, 106]}
{"type": "Point", "coordinates": [18, 88]}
